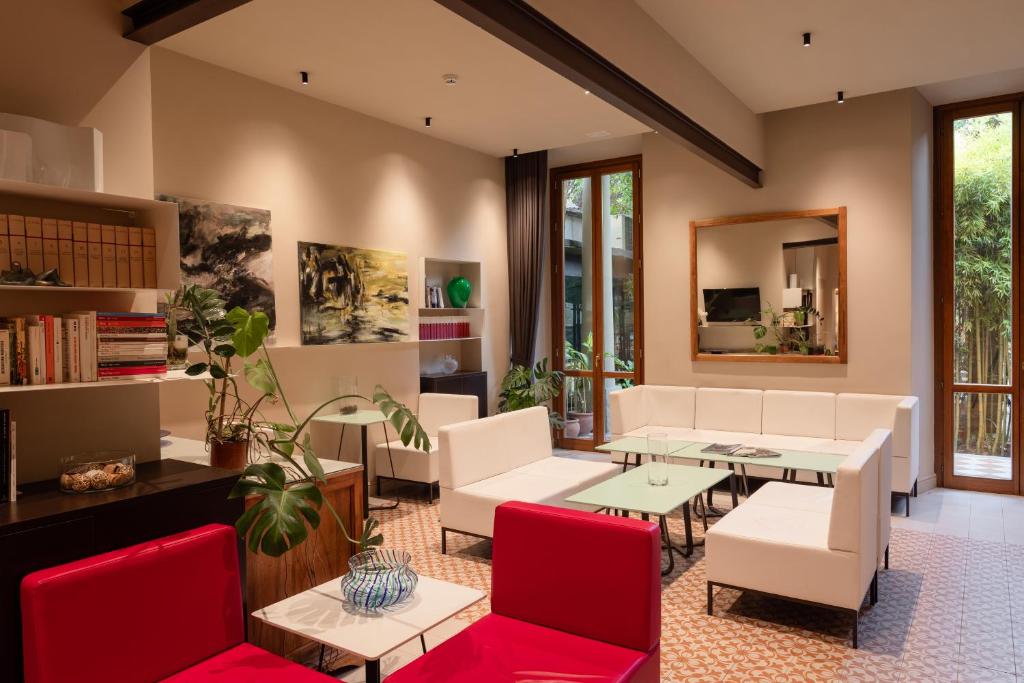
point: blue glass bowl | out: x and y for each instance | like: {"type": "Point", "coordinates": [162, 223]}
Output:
{"type": "Point", "coordinates": [378, 578]}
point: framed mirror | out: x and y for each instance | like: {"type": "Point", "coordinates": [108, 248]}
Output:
{"type": "Point", "coordinates": [769, 287]}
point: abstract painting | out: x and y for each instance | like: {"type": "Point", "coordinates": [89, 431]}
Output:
{"type": "Point", "coordinates": [227, 248]}
{"type": "Point", "coordinates": [351, 296]}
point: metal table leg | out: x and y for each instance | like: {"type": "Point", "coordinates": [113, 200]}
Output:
{"type": "Point", "coordinates": [688, 528]}
{"type": "Point", "coordinates": [732, 489]}
{"type": "Point", "coordinates": [746, 484]}
{"type": "Point", "coordinates": [821, 479]}
{"type": "Point", "coordinates": [372, 671]}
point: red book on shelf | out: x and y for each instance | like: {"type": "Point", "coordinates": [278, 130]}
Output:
{"type": "Point", "coordinates": [47, 321]}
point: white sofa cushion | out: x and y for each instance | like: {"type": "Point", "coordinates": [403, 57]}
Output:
{"type": "Point", "coordinates": [484, 448]}
{"type": "Point", "coordinates": [799, 413]}
{"type": "Point", "coordinates": [670, 406]}
{"type": "Point", "coordinates": [852, 522]}
{"type": "Point", "coordinates": [731, 410]}
{"type": "Point", "coordinates": [438, 410]}
{"type": "Point", "coordinates": [549, 481]}
{"type": "Point", "coordinates": [411, 464]}
{"type": "Point", "coordinates": [857, 415]}
{"type": "Point", "coordinates": [794, 497]}
{"type": "Point", "coordinates": [628, 409]}
{"type": "Point", "coordinates": [783, 552]}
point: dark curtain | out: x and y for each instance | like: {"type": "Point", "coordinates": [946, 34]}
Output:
{"type": "Point", "coordinates": [525, 187]}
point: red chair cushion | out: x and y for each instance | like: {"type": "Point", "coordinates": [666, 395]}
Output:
{"type": "Point", "coordinates": [594, 575]}
{"type": "Point", "coordinates": [134, 615]}
{"type": "Point", "coordinates": [498, 649]}
{"type": "Point", "coordinates": [249, 664]}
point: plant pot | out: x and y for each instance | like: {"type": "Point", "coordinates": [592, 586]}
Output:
{"type": "Point", "coordinates": [586, 421]}
{"type": "Point", "coordinates": [229, 455]}
{"type": "Point", "coordinates": [571, 429]}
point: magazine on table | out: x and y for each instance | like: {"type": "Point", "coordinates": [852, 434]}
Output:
{"type": "Point", "coordinates": [750, 452]}
{"type": "Point", "coordinates": [722, 448]}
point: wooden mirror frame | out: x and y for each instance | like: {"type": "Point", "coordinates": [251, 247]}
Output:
{"type": "Point", "coordinates": [696, 355]}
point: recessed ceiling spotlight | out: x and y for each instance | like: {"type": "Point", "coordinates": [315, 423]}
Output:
{"type": "Point", "coordinates": [426, 122]}
{"type": "Point", "coordinates": [304, 77]}
{"type": "Point", "coordinates": [839, 97]}
{"type": "Point", "coordinates": [586, 92]}
{"type": "Point", "coordinates": [807, 39]}
{"type": "Point", "coordinates": [515, 153]}
{"type": "Point", "coordinates": [450, 79]}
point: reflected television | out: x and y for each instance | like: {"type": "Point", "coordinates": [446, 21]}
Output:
{"type": "Point", "coordinates": [734, 305]}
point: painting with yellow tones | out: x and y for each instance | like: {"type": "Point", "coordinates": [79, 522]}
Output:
{"type": "Point", "coordinates": [352, 296]}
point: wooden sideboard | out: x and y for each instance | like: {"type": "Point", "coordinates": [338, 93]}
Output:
{"type": "Point", "coordinates": [322, 557]}
{"type": "Point", "coordinates": [45, 527]}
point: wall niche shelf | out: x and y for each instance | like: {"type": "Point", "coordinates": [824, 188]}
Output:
{"type": "Point", "coordinates": [468, 349]}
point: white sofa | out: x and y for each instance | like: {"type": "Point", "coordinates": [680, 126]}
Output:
{"type": "Point", "coordinates": [394, 460]}
{"type": "Point", "coordinates": [824, 555]}
{"type": "Point", "coordinates": [798, 420]}
{"type": "Point", "coordinates": [505, 457]}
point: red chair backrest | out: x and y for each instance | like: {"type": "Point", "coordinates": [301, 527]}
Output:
{"type": "Point", "coordinates": [133, 615]}
{"type": "Point", "coordinates": [593, 575]}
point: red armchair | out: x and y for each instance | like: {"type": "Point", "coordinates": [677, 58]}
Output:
{"type": "Point", "coordinates": [574, 596]}
{"type": "Point", "coordinates": [168, 609]}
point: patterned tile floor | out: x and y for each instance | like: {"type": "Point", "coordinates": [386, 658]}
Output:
{"type": "Point", "coordinates": [949, 609]}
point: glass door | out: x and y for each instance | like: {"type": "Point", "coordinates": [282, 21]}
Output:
{"type": "Point", "coordinates": [596, 291]}
{"type": "Point", "coordinates": [979, 290]}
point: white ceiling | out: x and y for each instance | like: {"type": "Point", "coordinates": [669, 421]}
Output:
{"type": "Point", "coordinates": [386, 59]}
{"type": "Point", "coordinates": [860, 46]}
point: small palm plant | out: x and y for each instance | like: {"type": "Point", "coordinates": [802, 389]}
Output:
{"type": "Point", "coordinates": [525, 388]}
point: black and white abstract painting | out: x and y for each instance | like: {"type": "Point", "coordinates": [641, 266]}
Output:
{"type": "Point", "coordinates": [227, 248]}
{"type": "Point", "coordinates": [351, 296]}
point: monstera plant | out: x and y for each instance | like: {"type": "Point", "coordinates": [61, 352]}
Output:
{"type": "Point", "coordinates": [285, 480]}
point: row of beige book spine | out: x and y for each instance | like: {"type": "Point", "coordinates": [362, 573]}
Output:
{"type": "Point", "coordinates": [84, 254]}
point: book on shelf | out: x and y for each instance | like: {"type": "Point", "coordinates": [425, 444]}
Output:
{"type": "Point", "coordinates": [51, 251]}
{"type": "Point", "coordinates": [72, 351]}
{"type": "Point", "coordinates": [135, 267]}
{"type": "Point", "coordinates": [122, 257]}
{"type": "Point", "coordinates": [5, 356]}
{"type": "Point", "coordinates": [36, 357]}
{"type": "Point", "coordinates": [444, 327]}
{"type": "Point", "coordinates": [5, 244]}
{"type": "Point", "coordinates": [8, 461]}
{"type": "Point", "coordinates": [16, 235]}
{"type": "Point", "coordinates": [34, 243]}
{"type": "Point", "coordinates": [66, 251]}
{"type": "Point", "coordinates": [149, 257]}
{"type": "Point", "coordinates": [80, 244]}
{"type": "Point", "coordinates": [95, 255]}
{"type": "Point", "coordinates": [108, 252]}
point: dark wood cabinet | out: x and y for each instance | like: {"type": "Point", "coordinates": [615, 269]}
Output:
{"type": "Point", "coordinates": [45, 527]}
{"type": "Point", "coordinates": [468, 383]}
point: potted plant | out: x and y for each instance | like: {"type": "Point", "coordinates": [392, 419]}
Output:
{"type": "Point", "coordinates": [579, 390]}
{"type": "Point", "coordinates": [524, 388]}
{"type": "Point", "coordinates": [286, 480]}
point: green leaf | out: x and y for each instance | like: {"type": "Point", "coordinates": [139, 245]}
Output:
{"type": "Point", "coordinates": [195, 369]}
{"type": "Point", "coordinates": [250, 330]}
{"type": "Point", "coordinates": [224, 350]}
{"type": "Point", "coordinates": [309, 457]}
{"type": "Point", "coordinates": [217, 372]}
{"type": "Point", "coordinates": [368, 539]}
{"type": "Point", "coordinates": [260, 376]}
{"type": "Point", "coordinates": [282, 516]}
{"type": "Point", "coordinates": [404, 421]}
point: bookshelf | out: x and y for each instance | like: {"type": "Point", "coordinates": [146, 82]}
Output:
{"type": "Point", "coordinates": [58, 420]}
{"type": "Point", "coordinates": [468, 350]}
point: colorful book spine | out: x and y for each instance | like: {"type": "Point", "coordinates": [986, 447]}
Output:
{"type": "Point", "coordinates": [36, 354]}
{"type": "Point", "coordinates": [72, 352]}
{"type": "Point", "coordinates": [5, 357]}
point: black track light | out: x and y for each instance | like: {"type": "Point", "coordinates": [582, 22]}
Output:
{"type": "Point", "coordinates": [426, 122]}
{"type": "Point", "coordinates": [807, 39]}
{"type": "Point", "coordinates": [515, 153]}
{"type": "Point", "coordinates": [305, 77]}
{"type": "Point", "coordinates": [839, 97]}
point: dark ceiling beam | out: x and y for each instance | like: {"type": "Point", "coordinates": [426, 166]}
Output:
{"type": "Point", "coordinates": [150, 21]}
{"type": "Point", "coordinates": [524, 28]}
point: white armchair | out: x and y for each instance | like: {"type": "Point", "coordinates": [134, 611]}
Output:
{"type": "Point", "coordinates": [394, 460]}
{"type": "Point", "coordinates": [825, 555]}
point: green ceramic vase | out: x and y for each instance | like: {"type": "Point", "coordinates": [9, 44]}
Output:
{"type": "Point", "coordinates": [459, 290]}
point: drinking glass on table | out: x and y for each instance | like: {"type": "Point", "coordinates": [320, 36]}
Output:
{"type": "Point", "coordinates": [657, 449]}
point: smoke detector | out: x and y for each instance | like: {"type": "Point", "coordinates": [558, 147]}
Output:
{"type": "Point", "coordinates": [450, 79]}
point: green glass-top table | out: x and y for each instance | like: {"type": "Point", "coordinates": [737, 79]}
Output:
{"type": "Point", "coordinates": [631, 492]}
{"type": "Point", "coordinates": [637, 445]}
{"type": "Point", "coordinates": [362, 419]}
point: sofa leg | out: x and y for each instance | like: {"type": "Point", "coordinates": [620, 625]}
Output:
{"type": "Point", "coordinates": [874, 589]}
{"type": "Point", "coordinates": [886, 557]}
{"type": "Point", "coordinates": [380, 490]}
{"type": "Point", "coordinates": [711, 599]}
{"type": "Point", "coordinates": [856, 619]}
{"type": "Point", "coordinates": [915, 488]}
{"type": "Point", "coordinates": [444, 541]}
{"type": "Point", "coordinates": [430, 493]}
{"type": "Point", "coordinates": [907, 495]}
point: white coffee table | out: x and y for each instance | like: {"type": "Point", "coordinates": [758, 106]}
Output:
{"type": "Point", "coordinates": [322, 615]}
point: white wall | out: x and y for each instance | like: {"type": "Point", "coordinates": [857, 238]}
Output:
{"type": "Point", "coordinates": [328, 175]}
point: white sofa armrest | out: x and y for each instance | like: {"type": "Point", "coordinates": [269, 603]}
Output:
{"type": "Point", "coordinates": [906, 436]}
{"type": "Point", "coordinates": [628, 409]}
